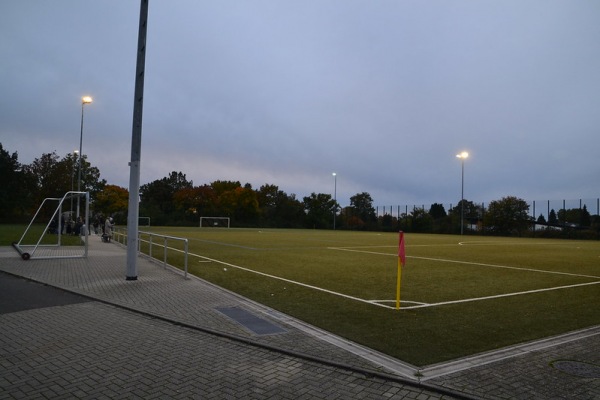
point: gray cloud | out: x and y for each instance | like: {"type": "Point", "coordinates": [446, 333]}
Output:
{"type": "Point", "coordinates": [383, 93]}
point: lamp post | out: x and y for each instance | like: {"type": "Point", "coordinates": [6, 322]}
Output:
{"type": "Point", "coordinates": [334, 198]}
{"type": "Point", "coordinates": [462, 157]}
{"type": "Point", "coordinates": [75, 154]}
{"type": "Point", "coordinates": [84, 100]}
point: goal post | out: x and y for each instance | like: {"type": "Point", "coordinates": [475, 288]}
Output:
{"type": "Point", "coordinates": [214, 222]}
{"type": "Point", "coordinates": [144, 221]}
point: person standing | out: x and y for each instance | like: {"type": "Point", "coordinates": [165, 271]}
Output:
{"type": "Point", "coordinates": [108, 228]}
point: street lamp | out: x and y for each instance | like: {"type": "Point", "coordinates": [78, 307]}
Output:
{"type": "Point", "coordinates": [75, 154]}
{"type": "Point", "coordinates": [334, 198]}
{"type": "Point", "coordinates": [462, 157]}
{"type": "Point", "coordinates": [84, 100]}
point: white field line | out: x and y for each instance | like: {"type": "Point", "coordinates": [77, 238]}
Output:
{"type": "Point", "coordinates": [378, 302]}
{"type": "Point", "coordinates": [288, 280]}
{"type": "Point", "coordinates": [495, 243]}
{"type": "Point", "coordinates": [470, 263]}
{"type": "Point", "coordinates": [500, 295]}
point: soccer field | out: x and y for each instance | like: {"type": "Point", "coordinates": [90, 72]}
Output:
{"type": "Point", "coordinates": [459, 295]}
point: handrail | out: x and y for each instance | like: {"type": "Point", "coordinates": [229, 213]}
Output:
{"type": "Point", "coordinates": [121, 236]}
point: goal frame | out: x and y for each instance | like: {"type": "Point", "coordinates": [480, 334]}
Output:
{"type": "Point", "coordinates": [140, 219]}
{"type": "Point", "coordinates": [215, 218]}
{"type": "Point", "coordinates": [56, 249]}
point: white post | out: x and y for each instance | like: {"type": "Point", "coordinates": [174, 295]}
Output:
{"type": "Point", "coordinates": [136, 145]}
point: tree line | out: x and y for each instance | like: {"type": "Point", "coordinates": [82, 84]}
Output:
{"type": "Point", "coordinates": [174, 200]}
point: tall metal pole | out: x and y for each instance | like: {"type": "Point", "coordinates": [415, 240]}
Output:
{"type": "Point", "coordinates": [136, 145]}
{"type": "Point", "coordinates": [72, 178]}
{"type": "Point", "coordinates": [462, 196]}
{"type": "Point", "coordinates": [334, 198]}
{"type": "Point", "coordinates": [79, 158]}
{"type": "Point", "coordinates": [462, 157]}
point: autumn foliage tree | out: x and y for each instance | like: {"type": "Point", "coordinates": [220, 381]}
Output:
{"type": "Point", "coordinates": [111, 201]}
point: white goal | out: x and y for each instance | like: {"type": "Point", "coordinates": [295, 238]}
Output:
{"type": "Point", "coordinates": [55, 231]}
{"type": "Point", "coordinates": [214, 222]}
{"type": "Point", "coordinates": [144, 221]}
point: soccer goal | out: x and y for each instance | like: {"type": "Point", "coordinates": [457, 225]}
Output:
{"type": "Point", "coordinates": [144, 221]}
{"type": "Point", "coordinates": [214, 222]}
{"type": "Point", "coordinates": [55, 232]}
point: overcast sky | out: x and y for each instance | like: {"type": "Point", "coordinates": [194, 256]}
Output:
{"type": "Point", "coordinates": [384, 93]}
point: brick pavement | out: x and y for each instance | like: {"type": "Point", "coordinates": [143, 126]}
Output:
{"type": "Point", "coordinates": [94, 350]}
{"type": "Point", "coordinates": [177, 345]}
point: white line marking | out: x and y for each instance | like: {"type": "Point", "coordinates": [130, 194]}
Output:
{"type": "Point", "coordinates": [394, 301]}
{"type": "Point", "coordinates": [470, 263]}
{"type": "Point", "coordinates": [419, 305]}
{"type": "Point", "coordinates": [502, 295]}
{"type": "Point", "coordinates": [289, 281]}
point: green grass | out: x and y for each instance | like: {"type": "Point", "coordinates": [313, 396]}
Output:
{"type": "Point", "coordinates": [14, 233]}
{"type": "Point", "coordinates": [438, 269]}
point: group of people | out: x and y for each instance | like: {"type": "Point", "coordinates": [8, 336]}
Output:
{"type": "Point", "coordinates": [68, 226]}
{"type": "Point", "coordinates": [102, 226]}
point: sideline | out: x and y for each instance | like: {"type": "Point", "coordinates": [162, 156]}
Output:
{"type": "Point", "coordinates": [469, 263]}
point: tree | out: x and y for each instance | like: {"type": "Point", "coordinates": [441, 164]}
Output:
{"type": "Point", "coordinates": [362, 207]}
{"type": "Point", "coordinates": [112, 200]}
{"type": "Point", "coordinates": [279, 209]}
{"type": "Point", "coordinates": [552, 218]}
{"type": "Point", "coordinates": [421, 220]}
{"type": "Point", "coordinates": [15, 187]}
{"type": "Point", "coordinates": [90, 176]}
{"type": "Point", "coordinates": [158, 198]}
{"type": "Point", "coordinates": [585, 219]}
{"type": "Point", "coordinates": [437, 211]}
{"type": "Point", "coordinates": [49, 180]}
{"type": "Point", "coordinates": [195, 202]}
{"type": "Point", "coordinates": [226, 198]}
{"type": "Point", "coordinates": [508, 215]}
{"type": "Point", "coordinates": [245, 205]}
{"type": "Point", "coordinates": [575, 216]}
{"type": "Point", "coordinates": [52, 177]}
{"type": "Point", "coordinates": [319, 210]}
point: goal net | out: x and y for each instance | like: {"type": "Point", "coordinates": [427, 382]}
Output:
{"type": "Point", "coordinates": [56, 231]}
{"type": "Point", "coordinates": [214, 222]}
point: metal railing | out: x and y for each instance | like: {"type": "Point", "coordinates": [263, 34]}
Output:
{"type": "Point", "coordinates": [120, 236]}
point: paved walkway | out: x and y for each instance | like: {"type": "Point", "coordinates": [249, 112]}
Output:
{"type": "Point", "coordinates": [164, 336]}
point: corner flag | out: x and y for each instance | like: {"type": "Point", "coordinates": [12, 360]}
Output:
{"type": "Point", "coordinates": [401, 262]}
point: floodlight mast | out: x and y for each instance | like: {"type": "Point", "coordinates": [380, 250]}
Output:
{"type": "Point", "coordinates": [334, 197]}
{"type": "Point", "coordinates": [84, 100]}
{"type": "Point", "coordinates": [136, 145]}
{"type": "Point", "coordinates": [462, 157]}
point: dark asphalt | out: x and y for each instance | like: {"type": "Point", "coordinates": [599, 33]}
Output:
{"type": "Point", "coordinates": [18, 294]}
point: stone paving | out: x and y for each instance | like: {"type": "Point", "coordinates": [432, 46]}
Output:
{"type": "Point", "coordinates": [162, 336]}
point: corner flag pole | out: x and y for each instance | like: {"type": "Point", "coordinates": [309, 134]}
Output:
{"type": "Point", "coordinates": [401, 262]}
